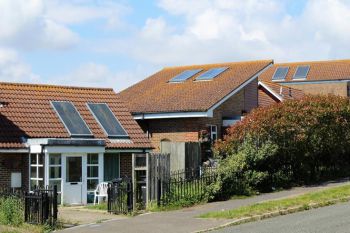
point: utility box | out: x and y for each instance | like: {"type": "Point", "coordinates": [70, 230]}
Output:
{"type": "Point", "coordinates": [16, 180]}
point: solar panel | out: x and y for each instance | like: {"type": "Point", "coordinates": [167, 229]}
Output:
{"type": "Point", "coordinates": [212, 73]}
{"type": "Point", "coordinates": [301, 72]}
{"type": "Point", "coordinates": [184, 75]}
{"type": "Point", "coordinates": [280, 73]}
{"type": "Point", "coordinates": [107, 120]}
{"type": "Point", "coordinates": [71, 118]}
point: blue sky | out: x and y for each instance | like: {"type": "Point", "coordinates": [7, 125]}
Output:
{"type": "Point", "coordinates": [110, 43]}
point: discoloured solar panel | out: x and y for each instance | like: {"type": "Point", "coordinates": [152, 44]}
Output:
{"type": "Point", "coordinates": [71, 119]}
{"type": "Point", "coordinates": [212, 73]}
{"type": "Point", "coordinates": [184, 75]}
{"type": "Point", "coordinates": [280, 73]}
{"type": "Point", "coordinates": [301, 72]}
{"type": "Point", "coordinates": [107, 120]}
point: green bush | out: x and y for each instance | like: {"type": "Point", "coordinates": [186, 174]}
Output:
{"type": "Point", "coordinates": [11, 211]}
{"type": "Point", "coordinates": [296, 141]}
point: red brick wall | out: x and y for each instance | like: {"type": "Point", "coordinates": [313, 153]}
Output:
{"type": "Point", "coordinates": [125, 164]}
{"type": "Point", "coordinates": [13, 163]}
{"type": "Point", "coordinates": [187, 129]}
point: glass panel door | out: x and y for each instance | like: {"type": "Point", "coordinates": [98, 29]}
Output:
{"type": "Point", "coordinates": [73, 170]}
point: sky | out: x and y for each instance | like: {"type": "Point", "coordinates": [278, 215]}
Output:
{"type": "Point", "coordinates": [111, 43]}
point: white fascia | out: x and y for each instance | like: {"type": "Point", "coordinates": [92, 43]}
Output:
{"type": "Point", "coordinates": [280, 98]}
{"type": "Point", "coordinates": [165, 115]}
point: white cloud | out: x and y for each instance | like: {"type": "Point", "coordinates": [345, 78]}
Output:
{"type": "Point", "coordinates": [98, 75]}
{"type": "Point", "coordinates": [226, 30]}
{"type": "Point", "coordinates": [13, 69]}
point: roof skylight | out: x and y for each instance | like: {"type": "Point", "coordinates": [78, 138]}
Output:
{"type": "Point", "coordinates": [107, 120]}
{"type": "Point", "coordinates": [280, 73]}
{"type": "Point", "coordinates": [301, 72]}
{"type": "Point", "coordinates": [210, 74]}
{"type": "Point", "coordinates": [71, 119]}
{"type": "Point", "coordinates": [184, 75]}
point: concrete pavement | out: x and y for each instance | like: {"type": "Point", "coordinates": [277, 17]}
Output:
{"type": "Point", "coordinates": [185, 220]}
{"type": "Point", "coordinates": [330, 219]}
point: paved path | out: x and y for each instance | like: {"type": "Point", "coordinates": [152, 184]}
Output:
{"type": "Point", "coordinates": [331, 219]}
{"type": "Point", "coordinates": [185, 220]}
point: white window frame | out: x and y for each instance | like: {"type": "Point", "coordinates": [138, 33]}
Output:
{"type": "Point", "coordinates": [36, 165]}
{"type": "Point", "coordinates": [98, 171]}
{"type": "Point", "coordinates": [53, 166]}
{"type": "Point", "coordinates": [213, 132]}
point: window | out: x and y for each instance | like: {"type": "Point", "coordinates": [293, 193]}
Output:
{"type": "Point", "coordinates": [55, 176]}
{"type": "Point", "coordinates": [213, 132]}
{"type": "Point", "coordinates": [210, 74]}
{"type": "Point", "coordinates": [184, 76]}
{"type": "Point", "coordinates": [348, 89]}
{"type": "Point", "coordinates": [301, 72]}
{"type": "Point", "coordinates": [111, 166]}
{"type": "Point", "coordinates": [280, 73]}
{"type": "Point", "coordinates": [71, 118]}
{"type": "Point", "coordinates": [107, 120]}
{"type": "Point", "coordinates": [36, 171]}
{"type": "Point", "coordinates": [92, 173]}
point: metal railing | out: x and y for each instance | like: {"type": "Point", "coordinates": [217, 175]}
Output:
{"type": "Point", "coordinates": [120, 196]}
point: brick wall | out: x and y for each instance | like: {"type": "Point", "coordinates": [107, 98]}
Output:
{"type": "Point", "coordinates": [125, 164]}
{"type": "Point", "coordinates": [187, 129]}
{"type": "Point", "coordinates": [339, 88]}
{"type": "Point", "coordinates": [13, 163]}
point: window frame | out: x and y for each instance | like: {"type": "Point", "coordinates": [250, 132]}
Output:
{"type": "Point", "coordinates": [37, 166]}
{"type": "Point", "coordinates": [213, 132]}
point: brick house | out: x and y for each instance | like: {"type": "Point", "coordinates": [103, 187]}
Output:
{"type": "Point", "coordinates": [177, 103]}
{"type": "Point", "coordinates": [46, 131]}
{"type": "Point", "coordinates": [316, 77]}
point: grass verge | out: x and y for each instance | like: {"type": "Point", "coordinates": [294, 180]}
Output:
{"type": "Point", "coordinates": [102, 206]}
{"type": "Point", "coordinates": [306, 201]}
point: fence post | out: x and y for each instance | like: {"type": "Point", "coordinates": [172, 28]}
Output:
{"type": "Point", "coordinates": [159, 192]}
{"type": "Point", "coordinates": [55, 203]}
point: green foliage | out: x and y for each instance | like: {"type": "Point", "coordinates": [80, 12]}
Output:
{"type": "Point", "coordinates": [11, 211]}
{"type": "Point", "coordinates": [297, 141]}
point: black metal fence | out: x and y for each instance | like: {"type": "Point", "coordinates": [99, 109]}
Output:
{"type": "Point", "coordinates": [185, 185]}
{"type": "Point", "coordinates": [120, 196]}
{"type": "Point", "coordinates": [40, 206]}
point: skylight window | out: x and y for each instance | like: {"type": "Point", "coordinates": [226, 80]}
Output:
{"type": "Point", "coordinates": [280, 73]}
{"type": "Point", "coordinates": [184, 75]}
{"type": "Point", "coordinates": [210, 74]}
{"type": "Point", "coordinates": [301, 72]}
{"type": "Point", "coordinates": [71, 119]}
{"type": "Point", "coordinates": [107, 120]}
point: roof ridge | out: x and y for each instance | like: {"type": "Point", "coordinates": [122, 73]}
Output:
{"type": "Point", "coordinates": [53, 86]}
{"type": "Point", "coordinates": [215, 64]}
{"type": "Point", "coordinates": [312, 62]}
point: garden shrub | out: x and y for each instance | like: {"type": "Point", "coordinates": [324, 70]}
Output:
{"type": "Point", "coordinates": [11, 211]}
{"type": "Point", "coordinates": [296, 141]}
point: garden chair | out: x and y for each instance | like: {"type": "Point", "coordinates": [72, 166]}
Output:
{"type": "Point", "coordinates": [100, 191]}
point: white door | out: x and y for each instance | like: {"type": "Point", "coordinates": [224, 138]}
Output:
{"type": "Point", "coordinates": [73, 183]}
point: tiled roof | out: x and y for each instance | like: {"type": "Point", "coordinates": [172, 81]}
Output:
{"type": "Point", "coordinates": [26, 112]}
{"type": "Point", "coordinates": [319, 70]}
{"type": "Point", "coordinates": [284, 92]}
{"type": "Point", "coordinates": [155, 94]}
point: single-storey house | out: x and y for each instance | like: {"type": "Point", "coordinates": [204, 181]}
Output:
{"type": "Point", "coordinates": [314, 77]}
{"type": "Point", "coordinates": [178, 104]}
{"type": "Point", "coordinates": [72, 137]}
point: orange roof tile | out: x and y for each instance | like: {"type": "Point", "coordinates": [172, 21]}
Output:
{"type": "Point", "coordinates": [156, 94]}
{"type": "Point", "coordinates": [27, 112]}
{"type": "Point", "coordinates": [319, 71]}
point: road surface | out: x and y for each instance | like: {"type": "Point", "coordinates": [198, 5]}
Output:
{"type": "Point", "coordinates": [330, 219]}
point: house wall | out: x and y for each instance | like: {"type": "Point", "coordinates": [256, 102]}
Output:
{"type": "Point", "coordinates": [125, 164]}
{"type": "Point", "coordinates": [266, 98]}
{"type": "Point", "coordinates": [338, 88]}
{"type": "Point", "coordinates": [13, 163]}
{"type": "Point", "coordinates": [187, 129]}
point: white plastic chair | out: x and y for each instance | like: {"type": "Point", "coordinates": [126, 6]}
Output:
{"type": "Point", "coordinates": [100, 191]}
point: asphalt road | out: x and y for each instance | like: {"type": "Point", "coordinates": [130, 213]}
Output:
{"type": "Point", "coordinates": [331, 219]}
